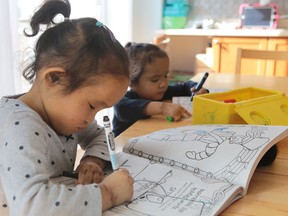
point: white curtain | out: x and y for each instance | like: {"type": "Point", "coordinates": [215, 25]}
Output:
{"type": "Point", "coordinates": [10, 75]}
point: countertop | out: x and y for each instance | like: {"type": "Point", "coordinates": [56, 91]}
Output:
{"type": "Point", "coordinates": [226, 32]}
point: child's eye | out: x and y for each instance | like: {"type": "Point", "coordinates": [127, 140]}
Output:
{"type": "Point", "coordinates": [154, 81]}
{"type": "Point", "coordinates": [91, 107]}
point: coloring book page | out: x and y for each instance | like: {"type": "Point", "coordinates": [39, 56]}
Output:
{"type": "Point", "coordinates": [163, 190]}
{"type": "Point", "coordinates": [224, 152]}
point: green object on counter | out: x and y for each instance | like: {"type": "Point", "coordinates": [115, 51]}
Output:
{"type": "Point", "coordinates": [174, 22]}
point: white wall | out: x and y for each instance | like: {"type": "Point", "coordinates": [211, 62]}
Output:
{"type": "Point", "coordinates": [118, 17]}
{"type": "Point", "coordinates": [133, 20]}
{"type": "Point", "coordinates": [147, 18]}
{"type": "Point", "coordinates": [9, 74]}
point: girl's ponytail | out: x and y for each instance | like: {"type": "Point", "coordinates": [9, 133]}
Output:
{"type": "Point", "coordinates": [45, 14]}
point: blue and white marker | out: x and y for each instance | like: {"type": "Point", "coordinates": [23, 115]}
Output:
{"type": "Point", "coordinates": [110, 142]}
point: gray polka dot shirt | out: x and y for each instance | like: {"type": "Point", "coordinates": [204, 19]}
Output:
{"type": "Point", "coordinates": [31, 153]}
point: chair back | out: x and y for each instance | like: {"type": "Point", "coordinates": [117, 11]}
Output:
{"type": "Point", "coordinates": [258, 54]}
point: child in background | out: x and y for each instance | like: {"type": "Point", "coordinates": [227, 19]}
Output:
{"type": "Point", "coordinates": [149, 67]}
{"type": "Point", "coordinates": [79, 69]}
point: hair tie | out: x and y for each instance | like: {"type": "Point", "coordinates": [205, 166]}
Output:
{"type": "Point", "coordinates": [99, 24]}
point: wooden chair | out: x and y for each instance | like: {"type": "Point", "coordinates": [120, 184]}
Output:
{"type": "Point", "coordinates": [258, 54]}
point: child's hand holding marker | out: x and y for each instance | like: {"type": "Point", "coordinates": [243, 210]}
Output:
{"type": "Point", "coordinates": [199, 87]}
{"type": "Point", "coordinates": [201, 91]}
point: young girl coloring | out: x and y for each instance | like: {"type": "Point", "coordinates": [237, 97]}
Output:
{"type": "Point", "coordinates": [149, 67]}
{"type": "Point", "coordinates": [79, 69]}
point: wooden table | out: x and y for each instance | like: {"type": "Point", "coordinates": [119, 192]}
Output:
{"type": "Point", "coordinates": [268, 190]}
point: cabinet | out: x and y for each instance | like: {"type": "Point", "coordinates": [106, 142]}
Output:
{"type": "Point", "coordinates": [224, 53]}
{"type": "Point", "coordinates": [278, 68]}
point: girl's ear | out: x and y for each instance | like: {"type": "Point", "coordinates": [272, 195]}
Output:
{"type": "Point", "coordinates": [54, 75]}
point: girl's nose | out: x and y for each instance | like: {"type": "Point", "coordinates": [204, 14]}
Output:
{"type": "Point", "coordinates": [90, 118]}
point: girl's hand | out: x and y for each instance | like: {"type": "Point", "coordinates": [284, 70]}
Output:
{"type": "Point", "coordinates": [176, 111]}
{"type": "Point", "coordinates": [116, 189]}
{"type": "Point", "coordinates": [90, 170]}
{"type": "Point", "coordinates": [201, 91]}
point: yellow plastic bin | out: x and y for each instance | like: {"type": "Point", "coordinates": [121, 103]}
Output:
{"type": "Point", "coordinates": [219, 107]}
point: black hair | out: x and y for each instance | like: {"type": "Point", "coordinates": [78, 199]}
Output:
{"type": "Point", "coordinates": [269, 156]}
{"type": "Point", "coordinates": [81, 47]}
{"type": "Point", "coordinates": [141, 54]}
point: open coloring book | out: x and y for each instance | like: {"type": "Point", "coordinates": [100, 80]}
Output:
{"type": "Point", "coordinates": [193, 170]}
